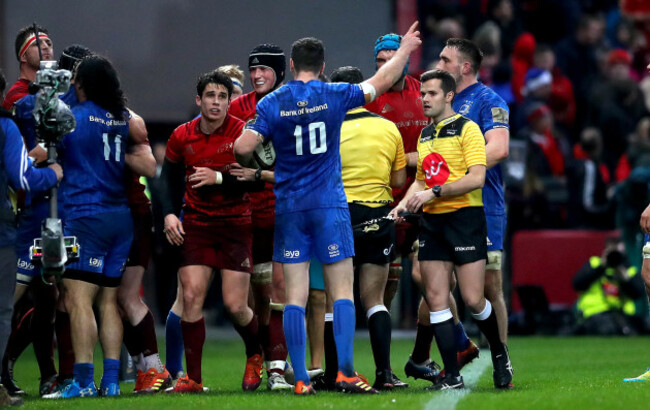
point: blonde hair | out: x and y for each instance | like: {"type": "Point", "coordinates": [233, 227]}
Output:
{"type": "Point", "coordinates": [232, 71]}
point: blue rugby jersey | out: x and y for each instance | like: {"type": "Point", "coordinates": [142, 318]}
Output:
{"type": "Point", "coordinates": [486, 108]}
{"type": "Point", "coordinates": [93, 158]}
{"type": "Point", "coordinates": [303, 120]}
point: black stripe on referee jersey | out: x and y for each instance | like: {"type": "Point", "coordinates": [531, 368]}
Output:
{"type": "Point", "coordinates": [359, 115]}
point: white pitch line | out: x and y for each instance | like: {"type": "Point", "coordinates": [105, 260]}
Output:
{"type": "Point", "coordinates": [448, 399]}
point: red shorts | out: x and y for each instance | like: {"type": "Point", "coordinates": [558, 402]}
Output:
{"type": "Point", "coordinates": [221, 247]}
{"type": "Point", "coordinates": [140, 252]}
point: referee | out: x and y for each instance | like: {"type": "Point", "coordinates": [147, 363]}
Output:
{"type": "Point", "coordinates": [450, 175]}
{"type": "Point", "coordinates": [372, 162]}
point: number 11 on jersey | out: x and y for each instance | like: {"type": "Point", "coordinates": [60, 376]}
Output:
{"type": "Point", "coordinates": [107, 147]}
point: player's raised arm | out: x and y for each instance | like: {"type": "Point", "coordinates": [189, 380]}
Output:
{"type": "Point", "coordinates": [390, 72]}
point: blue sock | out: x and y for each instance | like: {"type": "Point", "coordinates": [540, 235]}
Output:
{"type": "Point", "coordinates": [462, 341]}
{"type": "Point", "coordinates": [111, 372]}
{"type": "Point", "coordinates": [83, 373]}
{"type": "Point", "coordinates": [294, 333]}
{"type": "Point", "coordinates": [173, 344]}
{"type": "Point", "coordinates": [344, 326]}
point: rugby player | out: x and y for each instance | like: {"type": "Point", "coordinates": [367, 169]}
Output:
{"type": "Point", "coordinates": [266, 65]}
{"type": "Point", "coordinates": [95, 155]}
{"type": "Point", "coordinates": [303, 119]}
{"type": "Point", "coordinates": [372, 162]}
{"type": "Point", "coordinates": [216, 231]}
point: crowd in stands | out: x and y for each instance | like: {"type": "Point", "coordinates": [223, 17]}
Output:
{"type": "Point", "coordinates": [573, 74]}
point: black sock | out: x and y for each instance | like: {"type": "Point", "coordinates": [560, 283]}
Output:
{"type": "Point", "coordinates": [490, 329]}
{"type": "Point", "coordinates": [331, 358]}
{"type": "Point", "coordinates": [444, 332]}
{"type": "Point", "coordinates": [423, 339]}
{"type": "Point", "coordinates": [379, 327]}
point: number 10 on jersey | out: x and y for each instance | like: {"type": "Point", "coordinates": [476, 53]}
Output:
{"type": "Point", "coordinates": [317, 138]}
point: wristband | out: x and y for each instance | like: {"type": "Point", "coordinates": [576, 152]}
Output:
{"type": "Point", "coordinates": [219, 178]}
{"type": "Point", "coordinates": [258, 174]}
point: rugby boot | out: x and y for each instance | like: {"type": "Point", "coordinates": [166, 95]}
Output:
{"type": "Point", "coordinates": [73, 390]}
{"type": "Point", "coordinates": [303, 389]}
{"type": "Point", "coordinates": [502, 372]}
{"type": "Point", "coordinates": [186, 385]}
{"type": "Point", "coordinates": [253, 373]}
{"type": "Point", "coordinates": [354, 384]}
{"type": "Point", "coordinates": [468, 355]}
{"type": "Point", "coordinates": [48, 385]}
{"type": "Point", "coordinates": [109, 390]}
{"type": "Point", "coordinates": [323, 383]}
{"type": "Point", "coordinates": [397, 383]}
{"type": "Point", "coordinates": [276, 381]}
{"type": "Point", "coordinates": [448, 382]}
{"type": "Point", "coordinates": [428, 371]}
{"type": "Point", "coordinates": [645, 377]}
{"type": "Point", "coordinates": [153, 382]}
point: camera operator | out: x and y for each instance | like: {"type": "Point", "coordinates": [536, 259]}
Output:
{"type": "Point", "coordinates": [607, 290]}
{"type": "Point", "coordinates": [15, 172]}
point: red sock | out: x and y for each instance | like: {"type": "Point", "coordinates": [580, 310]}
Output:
{"type": "Point", "coordinates": [250, 335]}
{"type": "Point", "coordinates": [147, 332]}
{"type": "Point", "coordinates": [277, 349]}
{"type": "Point", "coordinates": [64, 342]}
{"type": "Point", "coordinates": [193, 339]}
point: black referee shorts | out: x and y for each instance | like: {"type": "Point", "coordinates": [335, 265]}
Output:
{"type": "Point", "coordinates": [377, 244]}
{"type": "Point", "coordinates": [459, 237]}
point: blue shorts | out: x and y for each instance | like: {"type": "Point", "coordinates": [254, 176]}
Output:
{"type": "Point", "coordinates": [29, 228]}
{"type": "Point", "coordinates": [496, 229]}
{"type": "Point", "coordinates": [104, 244]}
{"type": "Point", "coordinates": [316, 279]}
{"type": "Point", "coordinates": [324, 234]}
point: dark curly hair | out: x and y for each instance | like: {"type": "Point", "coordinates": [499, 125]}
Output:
{"type": "Point", "coordinates": [98, 79]}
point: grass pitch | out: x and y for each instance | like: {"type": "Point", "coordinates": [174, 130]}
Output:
{"type": "Point", "coordinates": [550, 373]}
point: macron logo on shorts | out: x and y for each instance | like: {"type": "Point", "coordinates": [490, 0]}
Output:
{"type": "Point", "coordinates": [464, 248]}
{"type": "Point", "coordinates": [291, 254]}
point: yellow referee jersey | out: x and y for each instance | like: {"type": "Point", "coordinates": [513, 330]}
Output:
{"type": "Point", "coordinates": [371, 148]}
{"type": "Point", "coordinates": [445, 152]}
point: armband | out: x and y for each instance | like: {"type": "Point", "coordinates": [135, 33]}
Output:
{"type": "Point", "coordinates": [219, 177]}
{"type": "Point", "coordinates": [369, 89]}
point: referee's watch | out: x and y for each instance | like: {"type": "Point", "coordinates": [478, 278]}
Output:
{"type": "Point", "coordinates": [258, 174]}
{"type": "Point", "coordinates": [437, 191]}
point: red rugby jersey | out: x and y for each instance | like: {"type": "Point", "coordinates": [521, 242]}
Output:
{"type": "Point", "coordinates": [211, 204]}
{"type": "Point", "coordinates": [262, 202]}
{"type": "Point", "coordinates": [404, 108]}
{"type": "Point", "coordinates": [15, 93]}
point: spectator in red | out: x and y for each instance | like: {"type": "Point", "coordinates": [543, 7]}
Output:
{"type": "Point", "coordinates": [546, 147]}
{"type": "Point", "coordinates": [522, 61]}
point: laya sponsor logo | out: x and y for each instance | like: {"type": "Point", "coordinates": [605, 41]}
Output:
{"type": "Point", "coordinates": [291, 254]}
{"type": "Point", "coordinates": [96, 262]}
{"type": "Point", "coordinates": [23, 264]}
